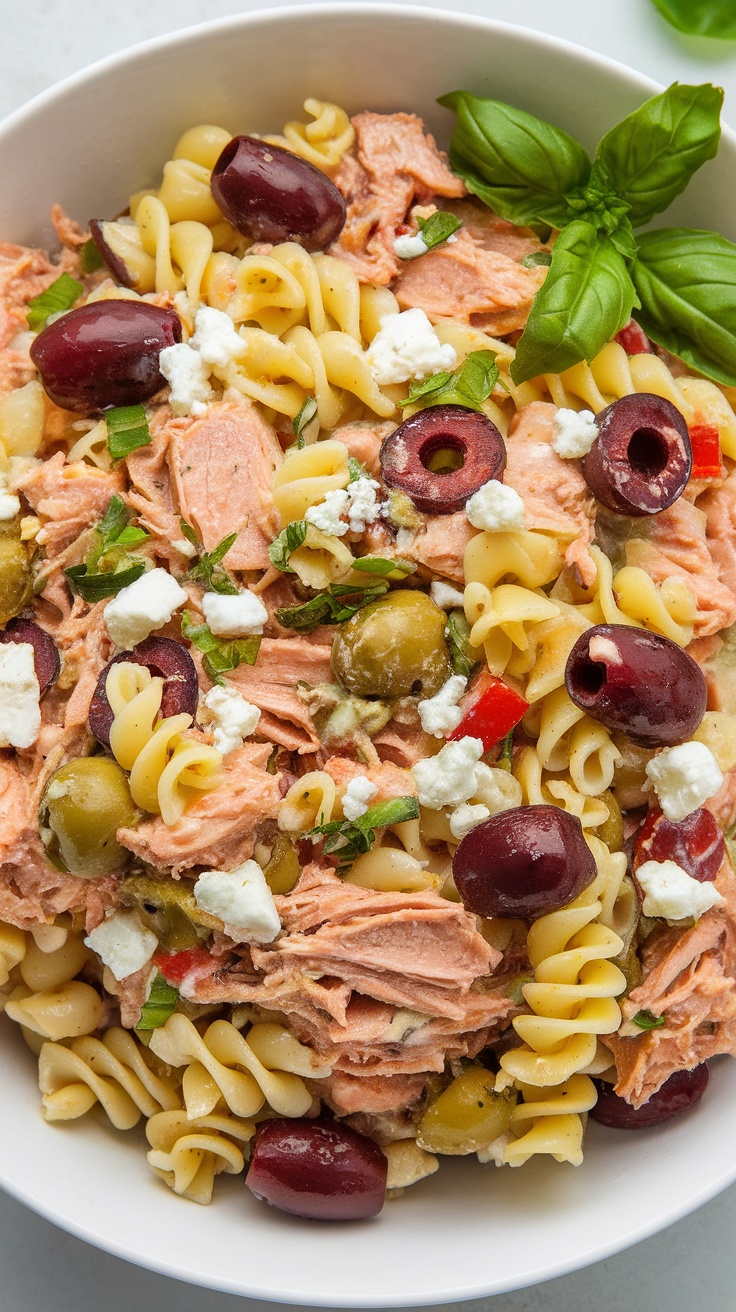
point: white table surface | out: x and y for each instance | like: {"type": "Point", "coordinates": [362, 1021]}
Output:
{"type": "Point", "coordinates": [693, 1264]}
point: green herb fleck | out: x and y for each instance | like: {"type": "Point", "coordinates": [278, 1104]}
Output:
{"type": "Point", "coordinates": [506, 755]}
{"type": "Point", "coordinates": [646, 1021]}
{"type": "Point", "coordinates": [378, 565]}
{"type": "Point", "coordinates": [537, 259]}
{"type": "Point", "coordinates": [161, 1003]}
{"type": "Point", "coordinates": [127, 430]}
{"type": "Point", "coordinates": [221, 655]}
{"type": "Point", "coordinates": [356, 469]}
{"type": "Point", "coordinates": [289, 539]}
{"type": "Point", "coordinates": [515, 989]}
{"type": "Point", "coordinates": [302, 420]}
{"type": "Point", "coordinates": [108, 566]}
{"type": "Point", "coordinates": [89, 258]}
{"type": "Point", "coordinates": [457, 633]}
{"type": "Point", "coordinates": [337, 603]}
{"type": "Point", "coordinates": [437, 228]}
{"type": "Point", "coordinates": [469, 386]}
{"type": "Point", "coordinates": [57, 298]}
{"type": "Point", "coordinates": [350, 838]}
{"type": "Point", "coordinates": [209, 570]}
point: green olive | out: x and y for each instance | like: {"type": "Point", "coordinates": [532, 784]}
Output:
{"type": "Point", "coordinates": [468, 1116]}
{"type": "Point", "coordinates": [16, 581]}
{"type": "Point", "coordinates": [85, 803]}
{"type": "Point", "coordinates": [393, 647]}
{"type": "Point", "coordinates": [167, 907]}
{"type": "Point", "coordinates": [283, 869]}
{"type": "Point", "coordinates": [611, 832]}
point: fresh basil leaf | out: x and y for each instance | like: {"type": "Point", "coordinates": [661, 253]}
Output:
{"type": "Point", "coordinates": [289, 539]}
{"type": "Point", "coordinates": [457, 633]}
{"type": "Point", "coordinates": [469, 386]}
{"type": "Point", "coordinates": [89, 257]}
{"type": "Point", "coordinates": [221, 655]}
{"type": "Point", "coordinates": [585, 299]}
{"type": "Point", "coordinates": [686, 281]}
{"type": "Point", "coordinates": [377, 565]}
{"type": "Point", "coordinates": [356, 469]}
{"type": "Point", "coordinates": [537, 258]}
{"type": "Point", "coordinates": [437, 228]}
{"type": "Point", "coordinates": [210, 572]}
{"type": "Point", "coordinates": [646, 1021]}
{"type": "Point", "coordinates": [161, 1003]}
{"type": "Point", "coordinates": [92, 587]}
{"type": "Point", "coordinates": [715, 18]}
{"type": "Point", "coordinates": [301, 421]}
{"type": "Point", "coordinates": [518, 164]}
{"type": "Point", "coordinates": [57, 298]}
{"type": "Point", "coordinates": [130, 536]}
{"type": "Point", "coordinates": [651, 155]}
{"type": "Point", "coordinates": [338, 603]}
{"type": "Point", "coordinates": [598, 204]}
{"type": "Point", "coordinates": [127, 430]}
{"type": "Point", "coordinates": [350, 838]}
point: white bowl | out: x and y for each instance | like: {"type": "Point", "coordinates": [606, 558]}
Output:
{"type": "Point", "coordinates": [466, 1232]}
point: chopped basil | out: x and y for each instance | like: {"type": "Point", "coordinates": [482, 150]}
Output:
{"type": "Point", "coordinates": [57, 298]}
{"type": "Point", "coordinates": [89, 257]}
{"type": "Point", "coordinates": [437, 228]}
{"type": "Point", "coordinates": [302, 420]}
{"type": "Point", "coordinates": [190, 535]}
{"type": "Point", "coordinates": [457, 633]}
{"type": "Point", "coordinates": [377, 565]}
{"type": "Point", "coordinates": [350, 838]}
{"type": "Point", "coordinates": [537, 258]}
{"type": "Point", "coordinates": [161, 1003]}
{"type": "Point", "coordinates": [339, 602]}
{"type": "Point", "coordinates": [127, 430]}
{"type": "Point", "coordinates": [221, 655]}
{"type": "Point", "coordinates": [289, 539]}
{"type": "Point", "coordinates": [108, 567]}
{"type": "Point", "coordinates": [209, 570]}
{"type": "Point", "coordinates": [646, 1021]}
{"type": "Point", "coordinates": [469, 386]}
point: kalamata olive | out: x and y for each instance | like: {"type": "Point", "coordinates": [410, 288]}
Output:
{"type": "Point", "coordinates": [695, 843]}
{"type": "Point", "coordinates": [318, 1168]}
{"type": "Point", "coordinates": [45, 651]}
{"type": "Point", "coordinates": [440, 456]}
{"type": "Point", "coordinates": [393, 646]}
{"type": "Point", "coordinates": [678, 1094]}
{"type": "Point", "coordinates": [85, 803]}
{"type": "Point", "coordinates": [165, 658]}
{"type": "Point", "coordinates": [118, 242]}
{"type": "Point", "coordinates": [642, 458]}
{"type": "Point", "coordinates": [633, 339]}
{"type": "Point", "coordinates": [637, 682]}
{"type": "Point", "coordinates": [105, 354]}
{"type": "Point", "coordinates": [270, 194]}
{"type": "Point", "coordinates": [523, 863]}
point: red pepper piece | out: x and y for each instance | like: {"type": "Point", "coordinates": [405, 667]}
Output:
{"type": "Point", "coordinates": [175, 966]}
{"type": "Point", "coordinates": [492, 709]}
{"type": "Point", "coordinates": [633, 339]}
{"type": "Point", "coordinates": [705, 440]}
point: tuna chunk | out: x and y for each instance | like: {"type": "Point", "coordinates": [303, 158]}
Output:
{"type": "Point", "coordinates": [675, 545]}
{"type": "Point", "coordinates": [219, 830]}
{"type": "Point", "coordinates": [690, 979]}
{"type": "Point", "coordinates": [719, 505]}
{"type": "Point", "coordinates": [348, 1095]}
{"type": "Point", "coordinates": [223, 466]}
{"type": "Point", "coordinates": [556, 496]}
{"type": "Point", "coordinates": [150, 494]}
{"type": "Point", "coordinates": [271, 684]}
{"type": "Point", "coordinates": [69, 498]}
{"type": "Point", "coordinates": [461, 280]}
{"type": "Point", "coordinates": [439, 547]}
{"type": "Point", "coordinates": [493, 233]}
{"type": "Point", "coordinates": [397, 164]}
{"type": "Point", "coordinates": [387, 778]}
{"type": "Point", "coordinates": [364, 440]}
{"type": "Point", "coordinates": [24, 273]}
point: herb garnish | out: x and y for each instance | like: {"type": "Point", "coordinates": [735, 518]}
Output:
{"type": "Point", "coordinates": [302, 420]}
{"type": "Point", "coordinates": [289, 539]}
{"type": "Point", "coordinates": [89, 257]}
{"type": "Point", "coordinates": [678, 281]}
{"type": "Point", "coordinates": [337, 603]}
{"type": "Point", "coordinates": [57, 298]}
{"type": "Point", "coordinates": [437, 228]}
{"type": "Point", "coordinates": [209, 570]}
{"type": "Point", "coordinates": [646, 1021]}
{"type": "Point", "coordinates": [350, 838]}
{"type": "Point", "coordinates": [457, 633]}
{"type": "Point", "coordinates": [127, 430]}
{"type": "Point", "coordinates": [382, 567]}
{"type": "Point", "coordinates": [109, 567]}
{"type": "Point", "coordinates": [470, 385]}
{"type": "Point", "coordinates": [221, 655]}
{"type": "Point", "coordinates": [161, 1003]}
{"type": "Point", "coordinates": [715, 18]}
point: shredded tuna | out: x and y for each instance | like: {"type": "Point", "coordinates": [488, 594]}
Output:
{"type": "Point", "coordinates": [151, 495]}
{"type": "Point", "coordinates": [461, 280]}
{"type": "Point", "coordinates": [271, 684]}
{"type": "Point", "coordinates": [68, 498]}
{"type": "Point", "coordinates": [363, 441]}
{"type": "Point", "coordinates": [676, 545]}
{"type": "Point", "coordinates": [388, 779]}
{"type": "Point", "coordinates": [492, 233]}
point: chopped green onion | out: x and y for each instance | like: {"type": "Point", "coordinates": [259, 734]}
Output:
{"type": "Point", "coordinates": [437, 228]}
{"type": "Point", "coordinates": [469, 386]}
{"type": "Point", "coordinates": [127, 430]}
{"type": "Point", "coordinates": [161, 1003]}
{"type": "Point", "coordinates": [89, 257]}
{"type": "Point", "coordinates": [646, 1021]}
{"type": "Point", "coordinates": [57, 298]}
{"type": "Point", "coordinates": [289, 539]}
{"type": "Point", "coordinates": [220, 655]}
{"type": "Point", "coordinates": [92, 587]}
{"type": "Point", "coordinates": [350, 838]}
{"type": "Point", "coordinates": [506, 754]}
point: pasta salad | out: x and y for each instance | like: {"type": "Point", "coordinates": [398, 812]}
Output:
{"type": "Point", "coordinates": [368, 592]}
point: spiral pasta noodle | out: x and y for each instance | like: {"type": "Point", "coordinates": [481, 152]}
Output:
{"type": "Point", "coordinates": [549, 1121]}
{"type": "Point", "coordinates": [309, 802]}
{"type": "Point", "coordinates": [12, 950]}
{"type": "Point", "coordinates": [166, 769]}
{"type": "Point", "coordinates": [188, 1154]}
{"type": "Point", "coordinates": [114, 1071]}
{"type": "Point", "coordinates": [324, 141]}
{"type": "Point", "coordinates": [500, 619]}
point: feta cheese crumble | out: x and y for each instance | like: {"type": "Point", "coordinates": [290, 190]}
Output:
{"type": "Point", "coordinates": [123, 943]}
{"type": "Point", "coordinates": [143, 606]}
{"type": "Point", "coordinates": [188, 377]}
{"type": "Point", "coordinates": [465, 817]}
{"type": "Point", "coordinates": [20, 714]}
{"type": "Point", "coordinates": [235, 718]}
{"type": "Point", "coordinates": [215, 338]}
{"type": "Point", "coordinates": [359, 792]}
{"type": "Point", "coordinates": [327, 514]}
{"type": "Point", "coordinates": [410, 246]}
{"type": "Point", "coordinates": [441, 714]}
{"type": "Point", "coordinates": [575, 431]}
{"type": "Point", "coordinates": [407, 346]}
{"type": "Point", "coordinates": [242, 900]}
{"type": "Point", "coordinates": [684, 777]}
{"type": "Point", "coordinates": [671, 893]}
{"type": "Point", "coordinates": [495, 508]}
{"type": "Point", "coordinates": [234, 615]}
{"type": "Point", "coordinates": [446, 596]}
{"type": "Point", "coordinates": [448, 778]}
{"type": "Point", "coordinates": [357, 503]}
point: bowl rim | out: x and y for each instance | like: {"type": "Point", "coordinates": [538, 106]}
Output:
{"type": "Point", "coordinates": [323, 10]}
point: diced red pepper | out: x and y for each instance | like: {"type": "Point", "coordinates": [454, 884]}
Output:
{"type": "Point", "coordinates": [705, 440]}
{"type": "Point", "coordinates": [175, 966]}
{"type": "Point", "coordinates": [633, 339]}
{"type": "Point", "coordinates": [491, 709]}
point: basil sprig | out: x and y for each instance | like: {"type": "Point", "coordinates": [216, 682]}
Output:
{"type": "Point", "coordinates": [221, 655]}
{"type": "Point", "coordinates": [531, 172]}
{"type": "Point", "coordinates": [127, 430]}
{"type": "Point", "coordinates": [350, 838]}
{"type": "Point", "coordinates": [716, 18]}
{"type": "Point", "coordinates": [289, 539]}
{"type": "Point", "coordinates": [470, 385]}
{"type": "Point", "coordinates": [109, 567]}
